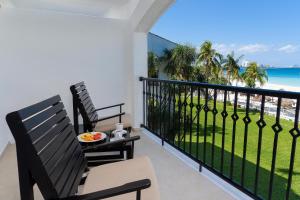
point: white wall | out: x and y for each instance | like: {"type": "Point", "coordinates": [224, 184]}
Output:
{"type": "Point", "coordinates": [139, 60]}
{"type": "Point", "coordinates": [43, 53]}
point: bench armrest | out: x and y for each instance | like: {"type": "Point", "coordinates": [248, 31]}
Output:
{"type": "Point", "coordinates": [117, 142]}
{"type": "Point", "coordinates": [108, 117]}
{"type": "Point", "coordinates": [107, 107]}
{"type": "Point", "coordinates": [135, 186]}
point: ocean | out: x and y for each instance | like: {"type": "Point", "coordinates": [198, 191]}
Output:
{"type": "Point", "coordinates": [283, 76]}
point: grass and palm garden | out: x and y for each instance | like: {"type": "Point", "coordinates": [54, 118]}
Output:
{"type": "Point", "coordinates": [214, 131]}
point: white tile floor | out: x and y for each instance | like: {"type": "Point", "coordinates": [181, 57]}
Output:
{"type": "Point", "coordinates": [176, 180]}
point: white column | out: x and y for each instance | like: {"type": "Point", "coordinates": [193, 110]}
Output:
{"type": "Point", "coordinates": [139, 69]}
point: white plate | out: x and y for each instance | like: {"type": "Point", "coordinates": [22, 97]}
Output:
{"type": "Point", "coordinates": [123, 131]}
{"type": "Point", "coordinates": [103, 136]}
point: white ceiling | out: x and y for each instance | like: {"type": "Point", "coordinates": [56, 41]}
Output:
{"type": "Point", "coordinates": [141, 14]}
{"type": "Point", "coordinates": [103, 8]}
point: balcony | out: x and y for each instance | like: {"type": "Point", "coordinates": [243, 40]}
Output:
{"type": "Point", "coordinates": [223, 129]}
{"type": "Point", "coordinates": [205, 141]}
{"type": "Point", "coordinates": [223, 146]}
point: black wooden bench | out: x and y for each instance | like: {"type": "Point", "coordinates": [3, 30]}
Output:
{"type": "Point", "coordinates": [50, 155]}
{"type": "Point", "coordinates": [83, 105]}
{"type": "Point", "coordinates": [82, 102]}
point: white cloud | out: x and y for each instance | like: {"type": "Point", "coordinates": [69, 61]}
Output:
{"type": "Point", "coordinates": [288, 48]}
{"type": "Point", "coordinates": [244, 49]}
{"type": "Point", "coordinates": [253, 48]}
{"type": "Point", "coordinates": [225, 48]}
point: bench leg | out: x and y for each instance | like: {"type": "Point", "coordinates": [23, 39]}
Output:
{"type": "Point", "coordinates": [26, 181]}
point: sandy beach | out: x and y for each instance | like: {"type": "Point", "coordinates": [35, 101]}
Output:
{"type": "Point", "coordinates": [281, 87]}
{"type": "Point", "coordinates": [273, 86]}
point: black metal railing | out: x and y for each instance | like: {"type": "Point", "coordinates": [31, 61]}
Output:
{"type": "Point", "coordinates": [240, 134]}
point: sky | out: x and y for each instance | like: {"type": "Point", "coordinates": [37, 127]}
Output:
{"type": "Point", "coordinates": [265, 31]}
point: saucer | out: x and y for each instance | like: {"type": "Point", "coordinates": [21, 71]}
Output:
{"type": "Point", "coordinates": [116, 131]}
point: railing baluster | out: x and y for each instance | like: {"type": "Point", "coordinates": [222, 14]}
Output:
{"type": "Point", "coordinates": [153, 109]}
{"type": "Point", "coordinates": [206, 109]}
{"type": "Point", "coordinates": [246, 120]}
{"type": "Point", "coordinates": [215, 112]}
{"type": "Point", "coordinates": [160, 113]}
{"type": "Point", "coordinates": [224, 116]}
{"type": "Point", "coordinates": [144, 103]}
{"type": "Point", "coordinates": [169, 110]}
{"type": "Point", "coordinates": [261, 124]}
{"type": "Point", "coordinates": [174, 112]}
{"type": "Point", "coordinates": [147, 103]}
{"type": "Point", "coordinates": [166, 116]}
{"type": "Point", "coordinates": [234, 117]}
{"type": "Point", "coordinates": [277, 129]}
{"type": "Point", "coordinates": [198, 122]}
{"type": "Point", "coordinates": [179, 115]}
{"type": "Point", "coordinates": [191, 120]}
{"type": "Point", "coordinates": [156, 108]}
{"type": "Point", "coordinates": [184, 117]}
{"type": "Point", "coordinates": [295, 133]}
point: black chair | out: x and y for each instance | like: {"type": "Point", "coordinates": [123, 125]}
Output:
{"type": "Point", "coordinates": [91, 121]}
{"type": "Point", "coordinates": [50, 155]}
{"type": "Point", "coordinates": [83, 105]}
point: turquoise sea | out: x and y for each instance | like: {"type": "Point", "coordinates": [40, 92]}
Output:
{"type": "Point", "coordinates": [284, 76]}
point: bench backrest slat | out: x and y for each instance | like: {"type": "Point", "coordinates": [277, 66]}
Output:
{"type": "Point", "coordinates": [83, 102]}
{"type": "Point", "coordinates": [47, 147]}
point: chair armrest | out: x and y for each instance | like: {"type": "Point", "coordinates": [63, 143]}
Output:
{"type": "Point", "coordinates": [108, 117]}
{"type": "Point", "coordinates": [120, 104]}
{"type": "Point", "coordinates": [135, 186]}
{"type": "Point", "coordinates": [107, 144]}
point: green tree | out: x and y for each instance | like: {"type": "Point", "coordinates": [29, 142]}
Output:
{"type": "Point", "coordinates": [232, 68]}
{"type": "Point", "coordinates": [167, 62]}
{"type": "Point", "coordinates": [198, 75]}
{"type": "Point", "coordinates": [183, 57]}
{"type": "Point", "coordinates": [152, 65]}
{"type": "Point", "coordinates": [217, 75]}
{"type": "Point", "coordinates": [206, 59]}
{"type": "Point", "coordinates": [254, 74]}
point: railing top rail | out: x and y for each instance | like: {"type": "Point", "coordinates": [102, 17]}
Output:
{"type": "Point", "coordinates": [266, 92]}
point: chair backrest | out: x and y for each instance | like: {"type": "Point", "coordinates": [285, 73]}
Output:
{"type": "Point", "coordinates": [83, 102]}
{"type": "Point", "coordinates": [47, 149]}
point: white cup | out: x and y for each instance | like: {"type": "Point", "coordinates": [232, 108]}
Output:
{"type": "Point", "coordinates": [119, 127]}
{"type": "Point", "coordinates": [118, 134]}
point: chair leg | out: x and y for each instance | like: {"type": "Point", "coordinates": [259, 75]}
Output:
{"type": "Point", "coordinates": [26, 181]}
{"type": "Point", "coordinates": [138, 195]}
{"type": "Point", "coordinates": [26, 186]}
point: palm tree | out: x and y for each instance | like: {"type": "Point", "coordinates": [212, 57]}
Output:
{"type": "Point", "coordinates": [198, 75]}
{"type": "Point", "coordinates": [167, 62]}
{"type": "Point", "coordinates": [206, 58]}
{"type": "Point", "coordinates": [254, 74]}
{"type": "Point", "coordinates": [232, 68]}
{"type": "Point", "coordinates": [152, 65]}
{"type": "Point", "coordinates": [217, 74]}
{"type": "Point", "coordinates": [183, 56]}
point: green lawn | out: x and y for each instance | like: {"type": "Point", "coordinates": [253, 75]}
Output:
{"type": "Point", "coordinates": [283, 149]}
